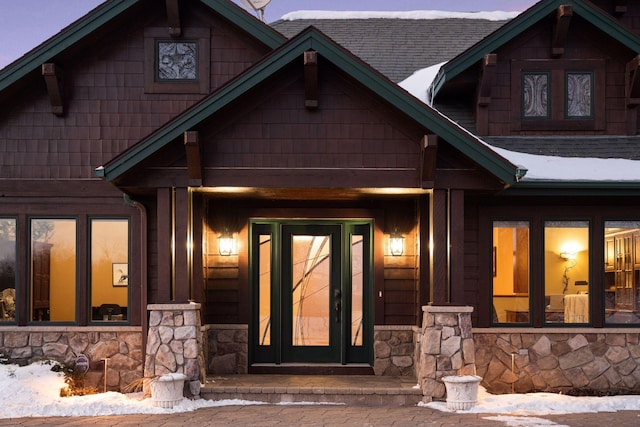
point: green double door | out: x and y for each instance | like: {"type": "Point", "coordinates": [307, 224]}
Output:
{"type": "Point", "coordinates": [311, 292]}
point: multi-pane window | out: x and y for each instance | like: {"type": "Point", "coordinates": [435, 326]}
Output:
{"type": "Point", "coordinates": [510, 268]}
{"type": "Point", "coordinates": [53, 269]}
{"type": "Point", "coordinates": [622, 272]}
{"type": "Point", "coordinates": [7, 269]}
{"type": "Point", "coordinates": [566, 271]}
{"type": "Point", "coordinates": [109, 269]}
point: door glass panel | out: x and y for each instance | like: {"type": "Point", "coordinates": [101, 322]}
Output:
{"type": "Point", "coordinates": [566, 271]}
{"type": "Point", "coordinates": [53, 274]}
{"type": "Point", "coordinates": [357, 243]}
{"type": "Point", "coordinates": [265, 290]}
{"type": "Point", "coordinates": [511, 272]}
{"type": "Point", "coordinates": [311, 262]}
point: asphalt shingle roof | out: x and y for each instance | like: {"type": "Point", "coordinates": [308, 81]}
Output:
{"type": "Point", "coordinates": [398, 47]}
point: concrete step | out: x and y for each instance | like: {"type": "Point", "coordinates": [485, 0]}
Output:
{"type": "Point", "coordinates": [355, 390]}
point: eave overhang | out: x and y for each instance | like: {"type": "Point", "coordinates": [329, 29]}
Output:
{"type": "Point", "coordinates": [312, 39]}
{"type": "Point", "coordinates": [522, 22]}
{"type": "Point", "coordinates": [105, 13]}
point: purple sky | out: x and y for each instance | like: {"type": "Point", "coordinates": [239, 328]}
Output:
{"type": "Point", "coordinates": [24, 24]}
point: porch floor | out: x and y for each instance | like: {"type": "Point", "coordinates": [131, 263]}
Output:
{"type": "Point", "coordinates": [361, 390]}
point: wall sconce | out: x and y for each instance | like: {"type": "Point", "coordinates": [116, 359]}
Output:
{"type": "Point", "coordinates": [226, 244]}
{"type": "Point", "coordinates": [568, 255]}
{"type": "Point", "coordinates": [396, 243]}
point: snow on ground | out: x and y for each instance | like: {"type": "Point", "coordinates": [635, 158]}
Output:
{"type": "Point", "coordinates": [34, 391]}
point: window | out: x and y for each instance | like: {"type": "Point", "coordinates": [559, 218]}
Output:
{"type": "Point", "coordinates": [566, 272]}
{"type": "Point", "coordinates": [535, 95]}
{"type": "Point", "coordinates": [579, 95]}
{"type": "Point", "coordinates": [558, 95]}
{"type": "Point", "coordinates": [176, 60]}
{"type": "Point", "coordinates": [53, 270]}
{"type": "Point", "coordinates": [622, 272]}
{"type": "Point", "coordinates": [176, 65]}
{"type": "Point", "coordinates": [109, 269]}
{"type": "Point", "coordinates": [510, 268]}
{"type": "Point", "coordinates": [7, 269]}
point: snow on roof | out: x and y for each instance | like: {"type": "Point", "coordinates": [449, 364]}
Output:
{"type": "Point", "coordinates": [413, 14]}
{"type": "Point", "coordinates": [539, 168]}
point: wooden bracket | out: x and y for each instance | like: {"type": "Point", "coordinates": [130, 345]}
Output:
{"type": "Point", "coordinates": [429, 155]}
{"type": "Point", "coordinates": [563, 19]}
{"type": "Point", "coordinates": [311, 79]}
{"type": "Point", "coordinates": [632, 82]}
{"type": "Point", "coordinates": [173, 18]}
{"type": "Point", "coordinates": [487, 79]}
{"type": "Point", "coordinates": [194, 162]}
{"type": "Point", "coordinates": [53, 80]}
{"type": "Point", "coordinates": [620, 7]}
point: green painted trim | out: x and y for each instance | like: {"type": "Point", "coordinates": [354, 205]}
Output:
{"type": "Point", "coordinates": [246, 22]}
{"type": "Point", "coordinates": [63, 40]}
{"type": "Point", "coordinates": [522, 22]}
{"type": "Point", "coordinates": [312, 39]}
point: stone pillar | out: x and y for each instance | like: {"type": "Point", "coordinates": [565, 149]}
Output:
{"type": "Point", "coordinates": [175, 344]}
{"type": "Point", "coordinates": [446, 347]}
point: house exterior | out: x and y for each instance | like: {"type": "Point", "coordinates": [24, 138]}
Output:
{"type": "Point", "coordinates": [207, 194]}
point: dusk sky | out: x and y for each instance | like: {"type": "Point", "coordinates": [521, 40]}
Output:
{"type": "Point", "coordinates": [24, 24]}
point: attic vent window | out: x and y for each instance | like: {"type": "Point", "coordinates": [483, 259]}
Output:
{"type": "Point", "coordinates": [177, 60]}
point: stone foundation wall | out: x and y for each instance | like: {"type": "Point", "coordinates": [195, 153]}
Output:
{"type": "Point", "coordinates": [559, 360]}
{"type": "Point", "coordinates": [394, 350]}
{"type": "Point", "coordinates": [120, 345]}
{"type": "Point", "coordinates": [226, 349]}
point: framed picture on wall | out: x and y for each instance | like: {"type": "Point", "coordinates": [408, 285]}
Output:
{"type": "Point", "coordinates": [120, 274]}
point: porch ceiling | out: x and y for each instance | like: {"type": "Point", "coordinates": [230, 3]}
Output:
{"type": "Point", "coordinates": [309, 193]}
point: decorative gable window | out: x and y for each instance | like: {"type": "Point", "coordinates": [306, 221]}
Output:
{"type": "Point", "coordinates": [177, 65]}
{"type": "Point", "coordinates": [579, 95]}
{"type": "Point", "coordinates": [535, 95]}
{"type": "Point", "coordinates": [176, 60]}
{"type": "Point", "coordinates": [558, 95]}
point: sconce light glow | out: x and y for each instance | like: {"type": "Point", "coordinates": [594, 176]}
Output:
{"type": "Point", "coordinates": [396, 244]}
{"type": "Point", "coordinates": [226, 244]}
{"type": "Point", "coordinates": [569, 250]}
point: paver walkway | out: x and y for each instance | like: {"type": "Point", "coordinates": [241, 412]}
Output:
{"type": "Point", "coordinates": [325, 415]}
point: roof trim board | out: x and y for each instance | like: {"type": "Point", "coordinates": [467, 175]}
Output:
{"type": "Point", "coordinates": [523, 21]}
{"type": "Point", "coordinates": [312, 39]}
{"type": "Point", "coordinates": [109, 10]}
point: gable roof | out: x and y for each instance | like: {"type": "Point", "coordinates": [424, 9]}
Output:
{"type": "Point", "coordinates": [312, 39]}
{"type": "Point", "coordinates": [107, 12]}
{"type": "Point", "coordinates": [397, 47]}
{"type": "Point", "coordinates": [524, 21]}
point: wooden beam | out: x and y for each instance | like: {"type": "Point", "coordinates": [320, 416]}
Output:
{"type": "Point", "coordinates": [456, 246]}
{"type": "Point", "coordinates": [429, 154]}
{"type": "Point", "coordinates": [311, 80]}
{"type": "Point", "coordinates": [53, 80]}
{"type": "Point", "coordinates": [173, 18]}
{"type": "Point", "coordinates": [164, 245]}
{"type": "Point", "coordinates": [181, 272]}
{"type": "Point", "coordinates": [563, 19]}
{"type": "Point", "coordinates": [194, 162]}
{"type": "Point", "coordinates": [487, 79]}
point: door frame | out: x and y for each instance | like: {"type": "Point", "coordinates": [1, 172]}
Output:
{"type": "Point", "coordinates": [272, 231]}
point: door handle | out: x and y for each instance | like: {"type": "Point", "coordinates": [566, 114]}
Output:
{"type": "Point", "coordinates": [337, 306]}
